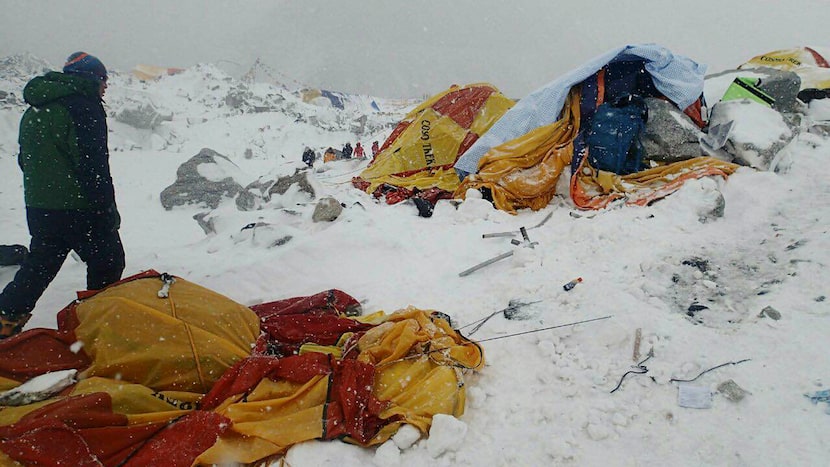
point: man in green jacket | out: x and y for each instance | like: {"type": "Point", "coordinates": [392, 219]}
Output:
{"type": "Point", "coordinates": [70, 199]}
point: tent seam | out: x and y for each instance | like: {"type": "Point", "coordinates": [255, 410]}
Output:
{"type": "Point", "coordinates": [191, 342]}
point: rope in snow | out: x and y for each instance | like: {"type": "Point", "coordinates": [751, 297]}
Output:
{"type": "Point", "coordinates": [639, 369]}
{"type": "Point", "coordinates": [341, 174]}
{"type": "Point", "coordinates": [675, 380]}
{"type": "Point", "coordinates": [428, 352]}
{"type": "Point", "coordinates": [330, 180]}
{"type": "Point", "coordinates": [512, 307]}
{"type": "Point", "coordinates": [545, 329]}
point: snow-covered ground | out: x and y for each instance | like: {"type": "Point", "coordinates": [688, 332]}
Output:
{"type": "Point", "coordinates": [748, 289]}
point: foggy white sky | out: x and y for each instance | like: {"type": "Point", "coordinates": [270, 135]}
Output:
{"type": "Point", "coordinates": [405, 48]}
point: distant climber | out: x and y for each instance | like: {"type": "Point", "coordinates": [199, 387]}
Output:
{"type": "Point", "coordinates": [309, 156]}
{"type": "Point", "coordinates": [358, 151]}
{"type": "Point", "coordinates": [375, 149]}
{"type": "Point", "coordinates": [347, 151]}
{"type": "Point", "coordinates": [329, 155]}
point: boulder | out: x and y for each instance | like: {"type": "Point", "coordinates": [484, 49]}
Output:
{"type": "Point", "coordinates": [191, 187]}
{"type": "Point", "coordinates": [327, 210]}
{"type": "Point", "coordinates": [757, 133]}
{"type": "Point", "coordinates": [260, 191]}
{"type": "Point", "coordinates": [670, 135]}
{"type": "Point", "coordinates": [782, 85]}
{"type": "Point", "coordinates": [143, 116]}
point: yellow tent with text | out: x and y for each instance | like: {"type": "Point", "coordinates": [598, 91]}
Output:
{"type": "Point", "coordinates": [422, 149]}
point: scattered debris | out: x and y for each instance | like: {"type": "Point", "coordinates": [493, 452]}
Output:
{"type": "Point", "coordinates": [425, 208]}
{"type": "Point", "coordinates": [570, 285]}
{"type": "Point", "coordinates": [577, 215]}
{"type": "Point", "coordinates": [694, 397]}
{"type": "Point", "coordinates": [38, 388]}
{"type": "Point", "coordinates": [819, 396]}
{"type": "Point", "coordinates": [490, 261]}
{"type": "Point", "coordinates": [770, 312]}
{"type": "Point", "coordinates": [700, 264]}
{"type": "Point", "coordinates": [694, 308]}
{"type": "Point", "coordinates": [638, 369]}
{"type": "Point", "coordinates": [795, 245]}
{"type": "Point", "coordinates": [732, 391]}
{"type": "Point", "coordinates": [514, 232]}
{"type": "Point", "coordinates": [638, 337]}
{"type": "Point", "coordinates": [516, 311]}
{"type": "Point", "coordinates": [511, 312]}
{"type": "Point", "coordinates": [676, 380]}
{"type": "Point", "coordinates": [526, 243]}
{"type": "Point", "coordinates": [167, 280]}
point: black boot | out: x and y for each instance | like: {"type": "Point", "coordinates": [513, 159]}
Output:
{"type": "Point", "coordinates": [12, 325]}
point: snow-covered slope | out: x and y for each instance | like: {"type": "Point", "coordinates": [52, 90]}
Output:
{"type": "Point", "coordinates": [692, 285]}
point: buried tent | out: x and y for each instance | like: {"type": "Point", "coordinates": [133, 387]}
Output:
{"type": "Point", "coordinates": [424, 146]}
{"type": "Point", "coordinates": [151, 72]}
{"type": "Point", "coordinates": [811, 64]}
{"type": "Point", "coordinates": [519, 161]}
{"type": "Point", "coordinates": [170, 373]}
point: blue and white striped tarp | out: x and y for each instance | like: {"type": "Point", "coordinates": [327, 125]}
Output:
{"type": "Point", "coordinates": [679, 78]}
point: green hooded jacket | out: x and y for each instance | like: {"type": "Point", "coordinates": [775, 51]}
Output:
{"type": "Point", "coordinates": [63, 145]}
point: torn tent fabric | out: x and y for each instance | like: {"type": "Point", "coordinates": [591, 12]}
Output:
{"type": "Point", "coordinates": [174, 374]}
{"type": "Point", "coordinates": [421, 151]}
{"type": "Point", "coordinates": [811, 64]}
{"type": "Point", "coordinates": [403, 370]}
{"type": "Point", "coordinates": [678, 78]}
{"type": "Point", "coordinates": [523, 172]}
{"type": "Point", "coordinates": [521, 158]}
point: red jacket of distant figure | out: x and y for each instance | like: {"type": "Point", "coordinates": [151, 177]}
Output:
{"type": "Point", "coordinates": [358, 151]}
{"type": "Point", "coordinates": [375, 149]}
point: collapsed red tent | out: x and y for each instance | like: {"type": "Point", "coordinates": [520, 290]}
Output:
{"type": "Point", "coordinates": [189, 377]}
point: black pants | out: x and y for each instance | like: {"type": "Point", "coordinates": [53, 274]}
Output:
{"type": "Point", "coordinates": [94, 236]}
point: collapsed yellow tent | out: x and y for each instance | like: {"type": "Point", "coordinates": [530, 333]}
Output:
{"type": "Point", "coordinates": [422, 149]}
{"type": "Point", "coordinates": [523, 172]}
{"type": "Point", "coordinates": [184, 342]}
{"type": "Point", "coordinates": [417, 361]}
{"type": "Point", "coordinates": [519, 162]}
{"type": "Point", "coordinates": [811, 64]}
{"type": "Point", "coordinates": [173, 374]}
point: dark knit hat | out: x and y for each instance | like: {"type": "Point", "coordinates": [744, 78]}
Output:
{"type": "Point", "coordinates": [81, 63]}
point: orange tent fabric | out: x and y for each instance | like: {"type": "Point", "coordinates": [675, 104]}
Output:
{"type": "Point", "coordinates": [523, 172]}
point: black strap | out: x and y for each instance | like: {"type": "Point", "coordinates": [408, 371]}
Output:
{"type": "Point", "coordinates": [754, 91]}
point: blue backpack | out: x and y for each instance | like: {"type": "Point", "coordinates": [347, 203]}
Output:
{"type": "Point", "coordinates": [614, 135]}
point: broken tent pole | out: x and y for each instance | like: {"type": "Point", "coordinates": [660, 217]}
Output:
{"type": "Point", "coordinates": [525, 243]}
{"type": "Point", "coordinates": [514, 232]}
{"type": "Point", "coordinates": [485, 263]}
